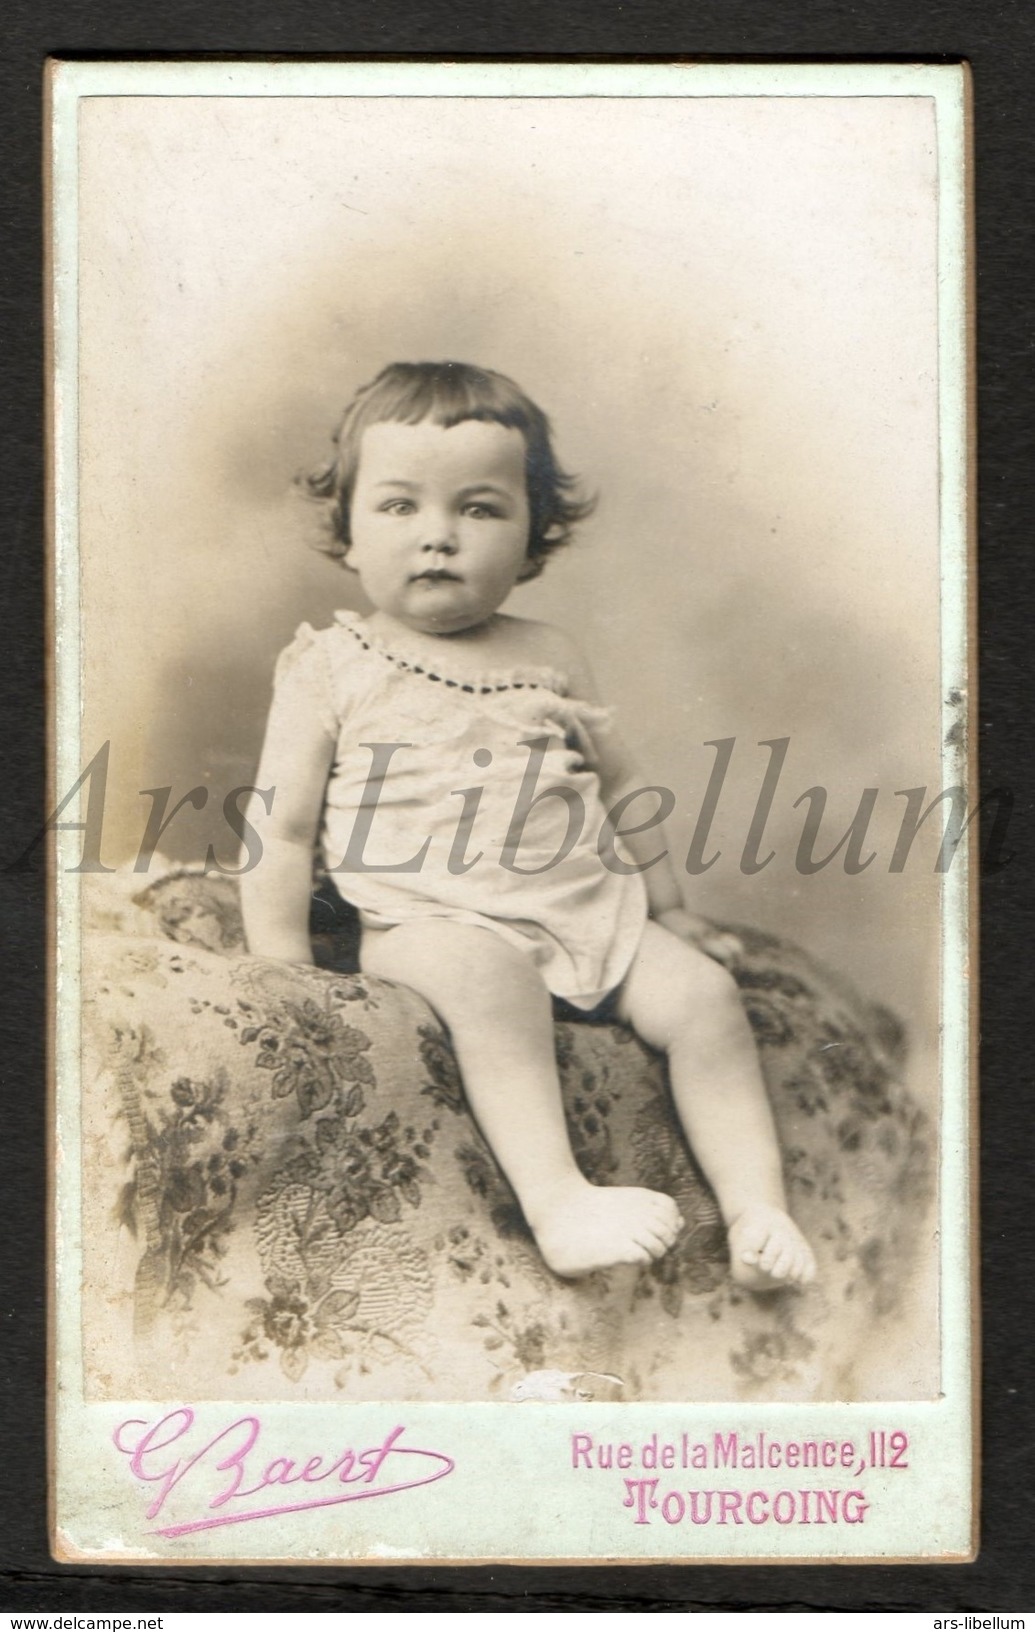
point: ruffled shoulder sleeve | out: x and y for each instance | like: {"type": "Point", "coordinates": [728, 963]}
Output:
{"type": "Point", "coordinates": [303, 680]}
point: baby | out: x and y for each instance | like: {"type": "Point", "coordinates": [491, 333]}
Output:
{"type": "Point", "coordinates": [469, 796]}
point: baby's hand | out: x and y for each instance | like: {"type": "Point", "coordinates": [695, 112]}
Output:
{"type": "Point", "coordinates": [716, 943]}
{"type": "Point", "coordinates": [721, 945]}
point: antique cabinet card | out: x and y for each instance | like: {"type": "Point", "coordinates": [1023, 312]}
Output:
{"type": "Point", "coordinates": [299, 1312]}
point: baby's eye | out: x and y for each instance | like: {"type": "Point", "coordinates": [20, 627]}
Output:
{"type": "Point", "coordinates": [399, 507]}
{"type": "Point", "coordinates": [480, 511]}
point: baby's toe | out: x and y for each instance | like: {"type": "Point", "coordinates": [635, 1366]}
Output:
{"type": "Point", "coordinates": [794, 1264]}
{"type": "Point", "coordinates": [783, 1265]}
{"type": "Point", "coordinates": [792, 1268]}
{"type": "Point", "coordinates": [646, 1236]}
{"type": "Point", "coordinates": [667, 1213]}
{"type": "Point", "coordinates": [769, 1254]}
{"type": "Point", "coordinates": [670, 1230]}
{"type": "Point", "coordinates": [640, 1253]}
{"type": "Point", "coordinates": [656, 1247]}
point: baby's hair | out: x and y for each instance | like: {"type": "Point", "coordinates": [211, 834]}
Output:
{"type": "Point", "coordinates": [447, 394]}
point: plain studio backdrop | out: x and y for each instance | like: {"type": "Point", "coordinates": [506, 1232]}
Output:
{"type": "Point", "coordinates": [727, 306]}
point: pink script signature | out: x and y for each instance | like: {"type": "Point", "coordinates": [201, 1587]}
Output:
{"type": "Point", "coordinates": [378, 1470]}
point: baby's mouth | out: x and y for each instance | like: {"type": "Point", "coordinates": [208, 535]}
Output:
{"type": "Point", "coordinates": [436, 575]}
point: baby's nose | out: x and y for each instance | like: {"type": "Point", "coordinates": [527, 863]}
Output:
{"type": "Point", "coordinates": [440, 542]}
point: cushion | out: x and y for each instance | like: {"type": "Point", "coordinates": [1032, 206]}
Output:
{"type": "Point", "coordinates": [285, 1195]}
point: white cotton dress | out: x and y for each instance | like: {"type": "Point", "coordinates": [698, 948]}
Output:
{"type": "Point", "coordinates": [579, 920]}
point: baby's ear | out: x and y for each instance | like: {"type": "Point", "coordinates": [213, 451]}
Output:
{"type": "Point", "coordinates": [532, 568]}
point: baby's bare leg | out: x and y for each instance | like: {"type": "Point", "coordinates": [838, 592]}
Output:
{"type": "Point", "coordinates": [497, 1009]}
{"type": "Point", "coordinates": [683, 1002]}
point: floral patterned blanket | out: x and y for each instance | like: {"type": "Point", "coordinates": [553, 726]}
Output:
{"type": "Point", "coordinates": [285, 1195]}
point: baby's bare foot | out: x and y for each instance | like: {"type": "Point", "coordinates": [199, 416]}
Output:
{"type": "Point", "coordinates": [768, 1251]}
{"type": "Point", "coordinates": [590, 1227]}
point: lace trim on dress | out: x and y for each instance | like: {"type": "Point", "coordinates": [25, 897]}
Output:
{"type": "Point", "coordinates": [483, 684]}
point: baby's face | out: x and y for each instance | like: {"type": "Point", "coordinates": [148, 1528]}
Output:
{"type": "Point", "coordinates": [439, 521]}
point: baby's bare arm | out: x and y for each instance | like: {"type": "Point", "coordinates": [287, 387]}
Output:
{"type": "Point", "coordinates": [276, 893]}
{"type": "Point", "coordinates": [275, 901]}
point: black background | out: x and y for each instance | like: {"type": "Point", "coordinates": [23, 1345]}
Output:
{"type": "Point", "coordinates": [999, 43]}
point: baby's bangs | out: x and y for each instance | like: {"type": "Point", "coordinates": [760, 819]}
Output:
{"type": "Point", "coordinates": [445, 394]}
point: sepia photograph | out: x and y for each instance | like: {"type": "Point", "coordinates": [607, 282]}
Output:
{"type": "Point", "coordinates": [511, 810]}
